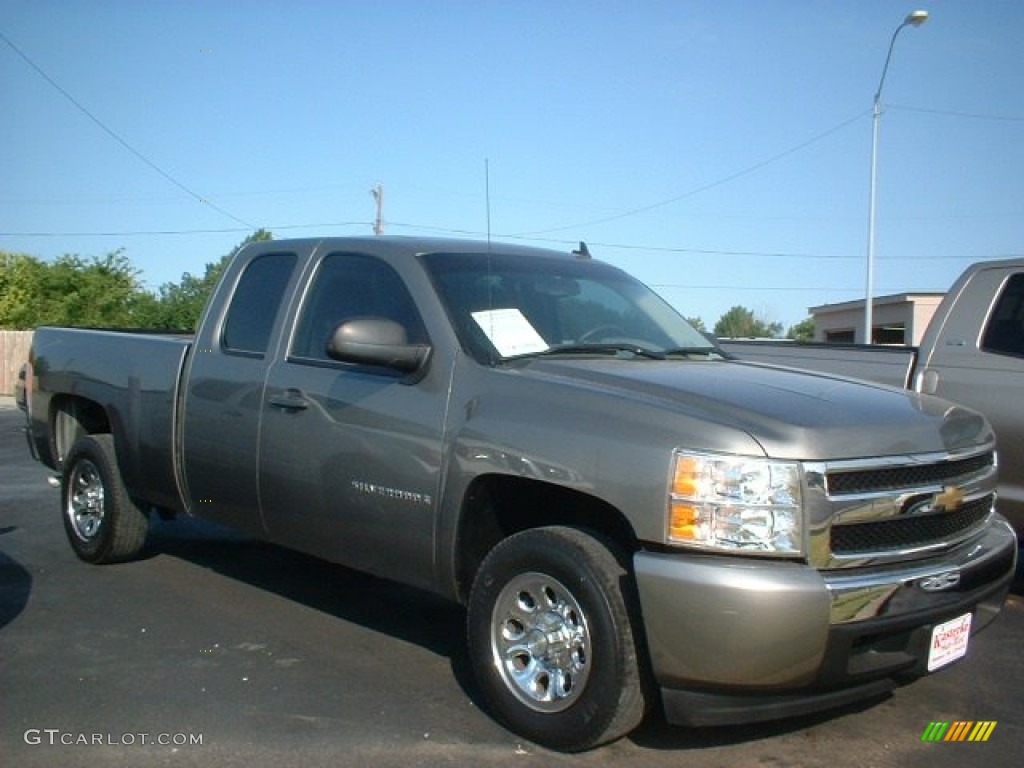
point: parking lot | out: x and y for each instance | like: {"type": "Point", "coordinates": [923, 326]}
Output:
{"type": "Point", "coordinates": [218, 650]}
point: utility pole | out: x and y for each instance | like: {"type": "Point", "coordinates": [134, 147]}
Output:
{"type": "Point", "coordinates": [378, 222]}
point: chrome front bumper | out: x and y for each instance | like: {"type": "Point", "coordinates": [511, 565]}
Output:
{"type": "Point", "coordinates": [737, 639]}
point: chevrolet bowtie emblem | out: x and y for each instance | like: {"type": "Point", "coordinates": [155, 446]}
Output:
{"type": "Point", "coordinates": [950, 499]}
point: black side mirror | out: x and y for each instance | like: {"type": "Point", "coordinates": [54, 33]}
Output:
{"type": "Point", "coordinates": [376, 341]}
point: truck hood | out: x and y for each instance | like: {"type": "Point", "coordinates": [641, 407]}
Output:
{"type": "Point", "coordinates": [791, 414]}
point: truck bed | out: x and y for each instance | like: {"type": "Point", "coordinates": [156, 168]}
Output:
{"type": "Point", "coordinates": [133, 379]}
{"type": "Point", "coordinates": [885, 365]}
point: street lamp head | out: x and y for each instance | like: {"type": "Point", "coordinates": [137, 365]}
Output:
{"type": "Point", "coordinates": [916, 18]}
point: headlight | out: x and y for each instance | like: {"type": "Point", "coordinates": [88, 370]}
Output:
{"type": "Point", "coordinates": [735, 503]}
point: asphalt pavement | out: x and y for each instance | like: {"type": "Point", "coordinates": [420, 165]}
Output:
{"type": "Point", "coordinates": [216, 650]}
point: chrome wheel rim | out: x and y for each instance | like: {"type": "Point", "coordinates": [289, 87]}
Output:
{"type": "Point", "coordinates": [86, 500]}
{"type": "Point", "coordinates": [540, 642]}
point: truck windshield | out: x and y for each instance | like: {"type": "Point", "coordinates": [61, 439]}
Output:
{"type": "Point", "coordinates": [506, 306]}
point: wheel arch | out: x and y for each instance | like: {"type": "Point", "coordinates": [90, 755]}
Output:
{"type": "Point", "coordinates": [71, 417]}
{"type": "Point", "coordinates": [496, 506]}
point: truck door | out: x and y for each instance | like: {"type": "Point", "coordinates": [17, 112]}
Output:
{"type": "Point", "coordinates": [221, 410]}
{"type": "Point", "coordinates": [350, 454]}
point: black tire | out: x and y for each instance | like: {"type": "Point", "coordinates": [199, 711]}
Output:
{"type": "Point", "coordinates": [551, 639]}
{"type": "Point", "coordinates": [102, 522]}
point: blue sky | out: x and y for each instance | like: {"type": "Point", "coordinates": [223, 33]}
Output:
{"type": "Point", "coordinates": [720, 151]}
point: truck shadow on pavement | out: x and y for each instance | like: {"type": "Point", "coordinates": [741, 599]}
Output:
{"type": "Point", "coordinates": [15, 586]}
{"type": "Point", "coordinates": [405, 613]}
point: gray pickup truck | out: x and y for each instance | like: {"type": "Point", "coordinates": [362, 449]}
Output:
{"type": "Point", "coordinates": [630, 518]}
{"type": "Point", "coordinates": [971, 353]}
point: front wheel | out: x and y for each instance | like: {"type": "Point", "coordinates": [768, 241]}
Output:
{"type": "Point", "coordinates": [552, 642]}
{"type": "Point", "coordinates": [102, 522]}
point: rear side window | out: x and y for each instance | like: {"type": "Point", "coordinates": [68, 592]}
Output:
{"type": "Point", "coordinates": [256, 303]}
{"type": "Point", "coordinates": [1005, 332]}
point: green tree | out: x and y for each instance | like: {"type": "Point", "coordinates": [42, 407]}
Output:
{"type": "Point", "coordinates": [20, 278]}
{"type": "Point", "coordinates": [697, 323]}
{"type": "Point", "coordinates": [740, 322]}
{"type": "Point", "coordinates": [102, 291]}
{"type": "Point", "coordinates": [180, 304]}
{"type": "Point", "coordinates": [802, 331]}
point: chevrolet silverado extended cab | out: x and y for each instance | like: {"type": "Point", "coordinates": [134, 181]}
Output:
{"type": "Point", "coordinates": [628, 516]}
{"type": "Point", "coordinates": [971, 353]}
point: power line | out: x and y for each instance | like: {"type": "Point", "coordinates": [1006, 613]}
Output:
{"type": "Point", "coordinates": [780, 254]}
{"type": "Point", "coordinates": [954, 113]}
{"type": "Point", "coordinates": [704, 188]}
{"type": "Point", "coordinates": [695, 251]}
{"type": "Point", "coordinates": [771, 288]}
{"type": "Point", "coordinates": [160, 232]}
{"type": "Point", "coordinates": [135, 233]}
{"type": "Point", "coordinates": [110, 132]}
{"type": "Point", "coordinates": [669, 249]}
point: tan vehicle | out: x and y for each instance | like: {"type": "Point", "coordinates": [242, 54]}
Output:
{"type": "Point", "coordinates": [635, 522]}
{"type": "Point", "coordinates": [972, 354]}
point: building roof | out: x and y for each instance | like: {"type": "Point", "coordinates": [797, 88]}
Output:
{"type": "Point", "coordinates": [893, 298]}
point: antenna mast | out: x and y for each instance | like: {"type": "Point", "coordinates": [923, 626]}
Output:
{"type": "Point", "coordinates": [378, 221]}
{"type": "Point", "coordinates": [487, 196]}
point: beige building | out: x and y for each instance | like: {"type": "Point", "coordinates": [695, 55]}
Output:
{"type": "Point", "coordinates": [899, 319]}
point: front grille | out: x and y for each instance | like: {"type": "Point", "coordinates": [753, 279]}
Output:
{"type": "Point", "coordinates": [905, 476]}
{"type": "Point", "coordinates": [908, 532]}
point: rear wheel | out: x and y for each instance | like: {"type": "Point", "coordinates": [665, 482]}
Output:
{"type": "Point", "coordinates": [102, 522]}
{"type": "Point", "coordinates": [551, 639]}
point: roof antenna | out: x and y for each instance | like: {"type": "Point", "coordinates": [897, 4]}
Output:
{"type": "Point", "coordinates": [487, 199]}
{"type": "Point", "coordinates": [378, 197]}
{"type": "Point", "coordinates": [582, 253]}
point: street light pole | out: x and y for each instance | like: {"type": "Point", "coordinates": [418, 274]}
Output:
{"type": "Point", "coordinates": [914, 19]}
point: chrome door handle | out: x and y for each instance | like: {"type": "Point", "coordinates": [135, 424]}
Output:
{"type": "Point", "coordinates": [290, 400]}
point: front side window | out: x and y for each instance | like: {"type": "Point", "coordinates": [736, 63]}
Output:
{"type": "Point", "coordinates": [348, 286]}
{"type": "Point", "coordinates": [256, 303]}
{"type": "Point", "coordinates": [1004, 333]}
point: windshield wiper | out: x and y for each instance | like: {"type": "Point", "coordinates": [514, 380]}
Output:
{"type": "Point", "coordinates": [595, 349]}
{"type": "Point", "coordinates": [687, 351]}
{"type": "Point", "coordinates": [613, 348]}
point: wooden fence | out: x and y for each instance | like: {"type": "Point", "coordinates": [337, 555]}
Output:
{"type": "Point", "coordinates": [13, 352]}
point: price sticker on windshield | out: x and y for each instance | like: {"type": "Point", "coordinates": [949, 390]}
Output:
{"type": "Point", "coordinates": [510, 332]}
{"type": "Point", "coordinates": [949, 642]}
